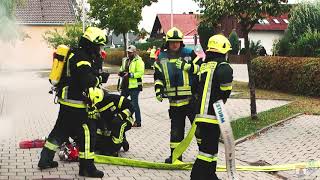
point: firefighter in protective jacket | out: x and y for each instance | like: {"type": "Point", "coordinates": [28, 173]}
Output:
{"type": "Point", "coordinates": [175, 84]}
{"type": "Point", "coordinates": [215, 76]}
{"type": "Point", "coordinates": [115, 119]}
{"type": "Point", "coordinates": [79, 77]}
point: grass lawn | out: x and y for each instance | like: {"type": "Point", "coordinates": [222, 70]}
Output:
{"type": "Point", "coordinates": [299, 104]}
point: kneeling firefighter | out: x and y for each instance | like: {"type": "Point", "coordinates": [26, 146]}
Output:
{"type": "Point", "coordinates": [215, 76]}
{"type": "Point", "coordinates": [77, 94]}
{"type": "Point", "coordinates": [115, 119]}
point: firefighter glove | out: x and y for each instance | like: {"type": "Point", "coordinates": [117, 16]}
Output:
{"type": "Point", "coordinates": [93, 113]}
{"type": "Point", "coordinates": [183, 65]}
{"type": "Point", "coordinates": [104, 76]}
{"type": "Point", "coordinates": [159, 97]}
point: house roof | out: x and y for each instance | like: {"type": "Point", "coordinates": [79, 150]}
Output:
{"type": "Point", "coordinates": [279, 23]}
{"type": "Point", "coordinates": [45, 12]}
{"type": "Point", "coordinates": [187, 23]}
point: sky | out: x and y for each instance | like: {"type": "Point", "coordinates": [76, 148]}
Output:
{"type": "Point", "coordinates": [164, 6]}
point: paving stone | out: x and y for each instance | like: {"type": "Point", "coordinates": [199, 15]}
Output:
{"type": "Point", "coordinates": [29, 113]}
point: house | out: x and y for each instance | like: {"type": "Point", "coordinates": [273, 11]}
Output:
{"type": "Point", "coordinates": [187, 23]}
{"type": "Point", "coordinates": [267, 30]}
{"type": "Point", "coordinates": [35, 17]}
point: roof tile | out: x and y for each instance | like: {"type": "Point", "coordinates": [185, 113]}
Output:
{"type": "Point", "coordinates": [46, 11]}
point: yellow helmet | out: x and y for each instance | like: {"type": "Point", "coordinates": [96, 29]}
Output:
{"type": "Point", "coordinates": [95, 95]}
{"type": "Point", "coordinates": [95, 35]}
{"type": "Point", "coordinates": [219, 43]}
{"type": "Point", "coordinates": [174, 34]}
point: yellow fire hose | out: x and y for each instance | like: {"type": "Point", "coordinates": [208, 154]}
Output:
{"type": "Point", "coordinates": [178, 165]}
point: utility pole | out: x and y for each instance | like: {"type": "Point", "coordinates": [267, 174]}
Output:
{"type": "Point", "coordinates": [83, 16]}
{"type": "Point", "coordinates": [171, 13]}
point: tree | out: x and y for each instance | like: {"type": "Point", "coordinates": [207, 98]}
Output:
{"type": "Point", "coordinates": [121, 16]}
{"type": "Point", "coordinates": [304, 17]}
{"type": "Point", "coordinates": [69, 36]}
{"type": "Point", "coordinates": [142, 33]}
{"type": "Point", "coordinates": [247, 12]}
{"type": "Point", "coordinates": [234, 40]}
{"type": "Point", "coordinates": [205, 31]}
{"type": "Point", "coordinates": [9, 30]}
{"type": "Point", "coordinates": [301, 37]}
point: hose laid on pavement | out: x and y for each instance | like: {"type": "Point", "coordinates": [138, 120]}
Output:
{"type": "Point", "coordinates": [188, 166]}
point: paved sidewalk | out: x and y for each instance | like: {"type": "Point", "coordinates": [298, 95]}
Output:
{"type": "Point", "coordinates": [294, 141]}
{"type": "Point", "coordinates": [27, 112]}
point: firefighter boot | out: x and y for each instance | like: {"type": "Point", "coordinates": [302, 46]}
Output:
{"type": "Point", "coordinates": [125, 145]}
{"type": "Point", "coordinates": [204, 170]}
{"type": "Point", "coordinates": [88, 169]}
{"type": "Point", "coordinates": [46, 159]}
{"type": "Point", "coordinates": [169, 159]}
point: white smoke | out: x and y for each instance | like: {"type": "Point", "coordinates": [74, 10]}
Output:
{"type": "Point", "coordinates": [18, 50]}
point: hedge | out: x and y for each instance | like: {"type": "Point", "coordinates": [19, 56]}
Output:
{"type": "Point", "coordinates": [299, 75]}
{"type": "Point", "coordinates": [115, 58]}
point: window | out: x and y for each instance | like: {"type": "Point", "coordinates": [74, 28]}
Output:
{"type": "Point", "coordinates": [260, 21]}
{"type": "Point", "coordinates": [286, 21]}
{"type": "Point", "coordinates": [266, 21]}
{"type": "Point", "coordinates": [263, 21]}
{"type": "Point", "coordinates": [276, 21]}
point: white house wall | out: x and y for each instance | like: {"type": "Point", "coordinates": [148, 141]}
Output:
{"type": "Point", "coordinates": [267, 38]}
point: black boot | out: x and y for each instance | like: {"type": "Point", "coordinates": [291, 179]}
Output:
{"type": "Point", "coordinates": [204, 170]}
{"type": "Point", "coordinates": [88, 169]}
{"type": "Point", "coordinates": [169, 159]}
{"type": "Point", "coordinates": [125, 145]}
{"type": "Point", "coordinates": [46, 159]}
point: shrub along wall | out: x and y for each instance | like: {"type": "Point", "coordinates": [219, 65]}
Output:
{"type": "Point", "coordinates": [115, 58]}
{"type": "Point", "coordinates": [299, 75]}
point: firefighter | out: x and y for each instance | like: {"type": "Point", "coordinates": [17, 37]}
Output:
{"type": "Point", "coordinates": [153, 54]}
{"type": "Point", "coordinates": [132, 71]}
{"type": "Point", "coordinates": [79, 77]}
{"type": "Point", "coordinates": [215, 76]}
{"type": "Point", "coordinates": [175, 84]}
{"type": "Point", "coordinates": [115, 119]}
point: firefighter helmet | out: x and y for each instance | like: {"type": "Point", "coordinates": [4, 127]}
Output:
{"type": "Point", "coordinates": [219, 43]}
{"type": "Point", "coordinates": [174, 34]}
{"type": "Point", "coordinates": [95, 35]}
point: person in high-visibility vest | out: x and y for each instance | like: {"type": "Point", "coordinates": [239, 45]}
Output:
{"type": "Point", "coordinates": [132, 71]}
{"type": "Point", "coordinates": [153, 54]}
{"type": "Point", "coordinates": [175, 84]}
{"type": "Point", "coordinates": [214, 83]}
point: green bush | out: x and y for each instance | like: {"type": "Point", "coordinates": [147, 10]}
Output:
{"type": "Point", "coordinates": [234, 40]}
{"type": "Point", "coordinates": [254, 47]}
{"type": "Point", "coordinates": [115, 58]}
{"type": "Point", "coordinates": [205, 31]}
{"type": "Point", "coordinates": [307, 45]}
{"type": "Point", "coordinates": [301, 37]}
{"type": "Point", "coordinates": [282, 47]}
{"type": "Point", "coordinates": [69, 36]}
{"type": "Point", "coordinates": [145, 46]}
{"type": "Point", "coordinates": [304, 16]}
{"type": "Point", "coordinates": [288, 74]}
